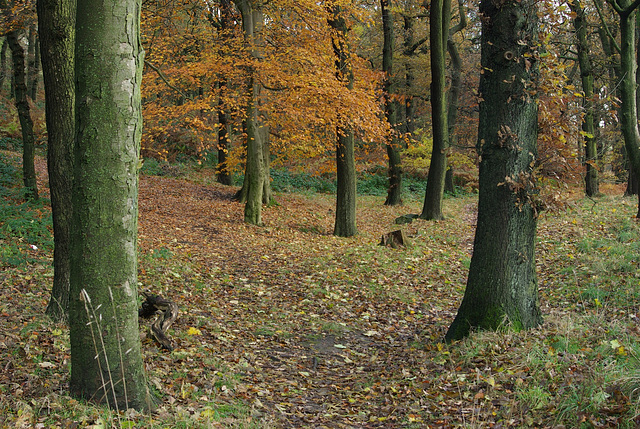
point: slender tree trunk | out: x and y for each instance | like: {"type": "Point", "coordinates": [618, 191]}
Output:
{"type": "Point", "coordinates": [24, 114]}
{"type": "Point", "coordinates": [266, 164]}
{"type": "Point", "coordinates": [502, 285]}
{"type": "Point", "coordinates": [588, 122]}
{"type": "Point", "coordinates": [394, 192]}
{"type": "Point", "coordinates": [628, 107]}
{"type": "Point", "coordinates": [33, 62]}
{"type": "Point", "coordinates": [409, 47]}
{"type": "Point", "coordinates": [222, 171]}
{"type": "Point", "coordinates": [439, 19]}
{"type": "Point", "coordinates": [33, 88]}
{"type": "Point", "coordinates": [224, 24]}
{"type": "Point", "coordinates": [453, 96]}
{"type": "Point", "coordinates": [3, 62]}
{"type": "Point", "coordinates": [56, 21]}
{"type": "Point", "coordinates": [632, 183]}
{"type": "Point", "coordinates": [106, 357]}
{"type": "Point", "coordinates": [345, 224]}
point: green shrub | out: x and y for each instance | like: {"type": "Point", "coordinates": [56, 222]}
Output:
{"type": "Point", "coordinates": [285, 181]}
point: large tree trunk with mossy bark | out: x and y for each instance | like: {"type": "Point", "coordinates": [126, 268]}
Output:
{"type": "Point", "coordinates": [56, 21]}
{"type": "Point", "coordinates": [24, 115]}
{"type": "Point", "coordinates": [345, 223]}
{"type": "Point", "coordinates": [106, 357]}
{"type": "Point", "coordinates": [439, 19]}
{"type": "Point", "coordinates": [256, 173]}
{"type": "Point", "coordinates": [627, 88]}
{"type": "Point", "coordinates": [502, 286]}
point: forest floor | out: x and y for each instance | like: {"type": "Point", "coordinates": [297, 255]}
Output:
{"type": "Point", "coordinates": [285, 325]}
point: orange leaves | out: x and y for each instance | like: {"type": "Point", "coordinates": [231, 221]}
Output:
{"type": "Point", "coordinates": [203, 63]}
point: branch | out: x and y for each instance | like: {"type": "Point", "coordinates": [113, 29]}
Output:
{"type": "Point", "coordinates": [408, 52]}
{"type": "Point", "coordinates": [605, 26]}
{"type": "Point", "coordinates": [164, 79]}
{"type": "Point", "coordinates": [629, 10]}
{"type": "Point", "coordinates": [463, 19]}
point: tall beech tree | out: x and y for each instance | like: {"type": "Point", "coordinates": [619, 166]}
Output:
{"type": "Point", "coordinates": [345, 224]}
{"type": "Point", "coordinates": [106, 357]}
{"type": "Point", "coordinates": [439, 20]}
{"type": "Point", "coordinates": [33, 62]}
{"type": "Point", "coordinates": [224, 23]}
{"type": "Point", "coordinates": [255, 189]}
{"type": "Point", "coordinates": [626, 10]}
{"type": "Point", "coordinates": [455, 88]}
{"type": "Point", "coordinates": [502, 285]}
{"type": "Point", "coordinates": [587, 80]}
{"type": "Point", "coordinates": [24, 115]}
{"type": "Point", "coordinates": [393, 144]}
{"type": "Point", "coordinates": [56, 21]}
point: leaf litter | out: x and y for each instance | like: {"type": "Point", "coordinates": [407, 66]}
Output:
{"type": "Point", "coordinates": [287, 326]}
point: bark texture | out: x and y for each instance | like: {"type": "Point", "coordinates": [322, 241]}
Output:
{"type": "Point", "coordinates": [256, 176]}
{"type": "Point", "coordinates": [455, 88]}
{"type": "Point", "coordinates": [3, 62]}
{"type": "Point", "coordinates": [627, 87]}
{"type": "Point", "coordinates": [345, 224]}
{"type": "Point", "coordinates": [393, 144]}
{"type": "Point", "coordinates": [439, 19]}
{"type": "Point", "coordinates": [106, 358]}
{"type": "Point", "coordinates": [33, 57]}
{"type": "Point", "coordinates": [24, 115]}
{"type": "Point", "coordinates": [588, 121]}
{"type": "Point", "coordinates": [56, 20]}
{"type": "Point", "coordinates": [502, 285]}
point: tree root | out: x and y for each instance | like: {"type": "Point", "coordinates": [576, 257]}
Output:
{"type": "Point", "coordinates": [167, 312]}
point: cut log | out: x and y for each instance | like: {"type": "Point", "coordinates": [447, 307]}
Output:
{"type": "Point", "coordinates": [167, 312]}
{"type": "Point", "coordinates": [395, 239]}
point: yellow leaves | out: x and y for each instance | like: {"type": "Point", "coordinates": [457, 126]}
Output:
{"type": "Point", "coordinates": [619, 348]}
{"type": "Point", "coordinates": [194, 331]}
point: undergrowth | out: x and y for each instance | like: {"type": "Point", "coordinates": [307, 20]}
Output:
{"type": "Point", "coordinates": [25, 227]}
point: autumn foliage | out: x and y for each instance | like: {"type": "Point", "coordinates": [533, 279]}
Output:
{"type": "Point", "coordinates": [197, 67]}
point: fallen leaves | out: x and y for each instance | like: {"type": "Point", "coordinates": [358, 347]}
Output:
{"type": "Point", "coordinates": [286, 327]}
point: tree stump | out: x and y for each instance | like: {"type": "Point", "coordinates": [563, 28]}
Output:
{"type": "Point", "coordinates": [404, 219]}
{"type": "Point", "coordinates": [395, 239]}
{"type": "Point", "coordinates": [167, 312]}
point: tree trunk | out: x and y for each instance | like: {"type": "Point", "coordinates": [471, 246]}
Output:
{"type": "Point", "coordinates": [439, 19]}
{"type": "Point", "coordinates": [225, 25]}
{"type": "Point", "coordinates": [33, 61]}
{"type": "Point", "coordinates": [632, 183]}
{"type": "Point", "coordinates": [409, 48]}
{"type": "Point", "coordinates": [106, 358]}
{"type": "Point", "coordinates": [453, 96]}
{"type": "Point", "coordinates": [254, 175]}
{"type": "Point", "coordinates": [627, 87]}
{"type": "Point", "coordinates": [394, 192]}
{"type": "Point", "coordinates": [345, 224]}
{"type": "Point", "coordinates": [255, 172]}
{"type": "Point", "coordinates": [588, 122]}
{"type": "Point", "coordinates": [3, 62]}
{"type": "Point", "coordinates": [24, 114]}
{"type": "Point", "coordinates": [502, 285]}
{"type": "Point", "coordinates": [56, 20]}
{"type": "Point", "coordinates": [222, 172]}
